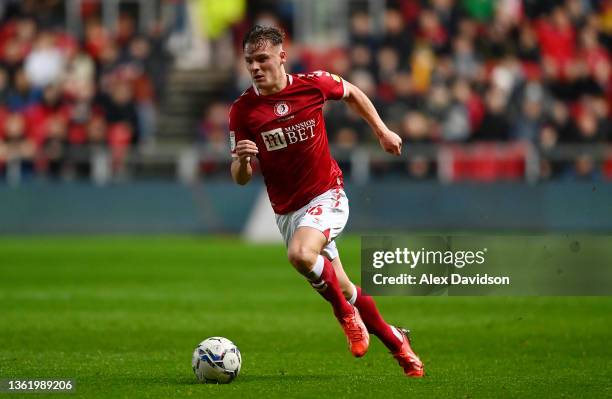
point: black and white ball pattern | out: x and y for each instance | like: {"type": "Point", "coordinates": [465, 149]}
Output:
{"type": "Point", "coordinates": [216, 360]}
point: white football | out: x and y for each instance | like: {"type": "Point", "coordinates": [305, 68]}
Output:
{"type": "Point", "coordinates": [216, 360]}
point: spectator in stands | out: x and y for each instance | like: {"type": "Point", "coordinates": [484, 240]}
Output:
{"type": "Point", "coordinates": [432, 31]}
{"type": "Point", "coordinates": [465, 60]}
{"type": "Point", "coordinates": [45, 62]}
{"type": "Point", "coordinates": [438, 107]}
{"type": "Point", "coordinates": [96, 39]}
{"type": "Point", "coordinates": [25, 32]}
{"type": "Point", "coordinates": [119, 109]}
{"type": "Point", "coordinates": [96, 132]}
{"type": "Point", "coordinates": [590, 129]}
{"type": "Point", "coordinates": [125, 30]}
{"type": "Point", "coordinates": [556, 36]}
{"type": "Point", "coordinates": [406, 98]}
{"type": "Point", "coordinates": [346, 138]}
{"type": "Point", "coordinates": [456, 125]}
{"type": "Point", "coordinates": [22, 95]}
{"type": "Point", "coordinates": [340, 116]}
{"type": "Point", "coordinates": [529, 121]}
{"type": "Point", "coordinates": [397, 36]}
{"type": "Point", "coordinates": [528, 49]}
{"type": "Point", "coordinates": [95, 140]}
{"type": "Point", "coordinates": [387, 66]}
{"type": "Point", "coordinates": [213, 131]}
{"type": "Point", "coordinates": [55, 146]}
{"type": "Point", "coordinates": [495, 125]}
{"type": "Point", "coordinates": [562, 123]}
{"type": "Point", "coordinates": [52, 106]}
{"type": "Point", "coordinates": [584, 168]}
{"type": "Point", "coordinates": [360, 32]}
{"type": "Point", "coordinates": [447, 13]}
{"type": "Point", "coordinates": [416, 128]}
{"type": "Point", "coordinates": [80, 73]}
{"type": "Point", "coordinates": [548, 138]}
{"type": "Point", "coordinates": [362, 58]}
{"type": "Point", "coordinates": [82, 108]}
{"type": "Point", "coordinates": [419, 168]}
{"type": "Point", "coordinates": [214, 126]}
{"type": "Point", "coordinates": [107, 66]}
{"type": "Point", "coordinates": [139, 65]}
{"type": "Point", "coordinates": [16, 149]}
{"type": "Point", "coordinates": [13, 54]}
{"type": "Point", "coordinates": [4, 86]}
{"type": "Point", "coordinates": [159, 58]}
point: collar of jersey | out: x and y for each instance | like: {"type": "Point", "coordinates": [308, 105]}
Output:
{"type": "Point", "coordinates": [289, 81]}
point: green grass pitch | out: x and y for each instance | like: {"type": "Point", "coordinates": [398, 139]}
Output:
{"type": "Point", "coordinates": [122, 316]}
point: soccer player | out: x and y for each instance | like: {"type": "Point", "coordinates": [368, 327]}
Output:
{"type": "Point", "coordinates": [279, 120]}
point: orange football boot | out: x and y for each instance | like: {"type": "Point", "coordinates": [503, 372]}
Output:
{"type": "Point", "coordinates": [407, 359]}
{"type": "Point", "coordinates": [356, 333]}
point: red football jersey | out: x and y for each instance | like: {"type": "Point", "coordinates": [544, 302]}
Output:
{"type": "Point", "coordinates": [289, 131]}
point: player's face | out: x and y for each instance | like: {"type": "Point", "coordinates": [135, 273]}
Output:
{"type": "Point", "coordinates": [265, 64]}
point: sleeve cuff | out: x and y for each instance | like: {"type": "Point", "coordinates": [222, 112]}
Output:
{"type": "Point", "coordinates": [345, 91]}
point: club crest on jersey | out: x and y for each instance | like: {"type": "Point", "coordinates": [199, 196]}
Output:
{"type": "Point", "coordinates": [281, 108]}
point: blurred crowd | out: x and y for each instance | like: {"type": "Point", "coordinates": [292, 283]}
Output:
{"type": "Point", "coordinates": [456, 71]}
{"type": "Point", "coordinates": [63, 96]}
{"type": "Point", "coordinates": [438, 71]}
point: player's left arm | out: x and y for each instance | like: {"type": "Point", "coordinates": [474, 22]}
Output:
{"type": "Point", "coordinates": [360, 103]}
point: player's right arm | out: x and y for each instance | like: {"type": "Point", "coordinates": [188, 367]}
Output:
{"type": "Point", "coordinates": [241, 164]}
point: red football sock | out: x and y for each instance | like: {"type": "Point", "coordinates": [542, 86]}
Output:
{"type": "Point", "coordinates": [374, 321]}
{"type": "Point", "coordinates": [327, 285]}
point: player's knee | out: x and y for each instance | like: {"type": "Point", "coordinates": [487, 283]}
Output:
{"type": "Point", "coordinates": [302, 258]}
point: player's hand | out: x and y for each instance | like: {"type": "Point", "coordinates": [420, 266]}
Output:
{"type": "Point", "coordinates": [245, 149]}
{"type": "Point", "coordinates": [390, 142]}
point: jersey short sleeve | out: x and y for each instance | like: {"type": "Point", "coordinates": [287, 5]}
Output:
{"type": "Point", "coordinates": [332, 86]}
{"type": "Point", "coordinates": [237, 131]}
